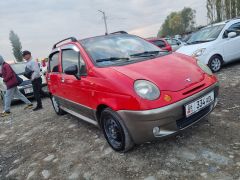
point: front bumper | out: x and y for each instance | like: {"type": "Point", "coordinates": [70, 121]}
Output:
{"type": "Point", "coordinates": [170, 119]}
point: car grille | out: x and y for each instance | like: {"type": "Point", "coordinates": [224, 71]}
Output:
{"type": "Point", "coordinates": [184, 122]}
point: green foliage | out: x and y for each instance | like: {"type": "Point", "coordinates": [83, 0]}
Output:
{"type": "Point", "coordinates": [178, 23]}
{"type": "Point", "coordinates": [16, 46]}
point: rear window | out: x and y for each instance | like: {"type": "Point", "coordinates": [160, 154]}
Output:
{"type": "Point", "coordinates": [159, 43]}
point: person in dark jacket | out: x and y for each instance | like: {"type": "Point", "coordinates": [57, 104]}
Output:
{"type": "Point", "coordinates": [11, 81]}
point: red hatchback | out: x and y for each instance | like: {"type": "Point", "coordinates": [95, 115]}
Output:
{"type": "Point", "coordinates": [162, 43]}
{"type": "Point", "coordinates": [129, 88]}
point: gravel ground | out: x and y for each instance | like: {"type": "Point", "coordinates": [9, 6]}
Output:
{"type": "Point", "coordinates": [43, 145]}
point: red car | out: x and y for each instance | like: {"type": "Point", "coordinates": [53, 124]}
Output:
{"type": "Point", "coordinates": [162, 43]}
{"type": "Point", "coordinates": [129, 88]}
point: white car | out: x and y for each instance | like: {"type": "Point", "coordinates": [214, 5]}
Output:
{"type": "Point", "coordinates": [216, 44]}
{"type": "Point", "coordinates": [26, 86]}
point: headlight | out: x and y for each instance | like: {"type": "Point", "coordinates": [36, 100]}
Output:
{"type": "Point", "coordinates": [198, 52]}
{"type": "Point", "coordinates": [205, 68]}
{"type": "Point", "coordinates": [146, 89]}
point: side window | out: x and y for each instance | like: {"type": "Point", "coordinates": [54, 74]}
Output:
{"type": "Point", "coordinates": [159, 43]}
{"type": "Point", "coordinates": [53, 62]}
{"type": "Point", "coordinates": [70, 58]}
{"type": "Point", "coordinates": [235, 28]}
{"type": "Point", "coordinates": [174, 42]}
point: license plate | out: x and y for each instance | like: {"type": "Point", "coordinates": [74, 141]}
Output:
{"type": "Point", "coordinates": [199, 104]}
{"type": "Point", "coordinates": [28, 90]}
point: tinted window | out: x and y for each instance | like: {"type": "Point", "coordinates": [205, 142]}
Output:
{"type": "Point", "coordinates": [70, 58]}
{"type": "Point", "coordinates": [235, 28]}
{"type": "Point", "coordinates": [53, 59]}
{"type": "Point", "coordinates": [159, 43]}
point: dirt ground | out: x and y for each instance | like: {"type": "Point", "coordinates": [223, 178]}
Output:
{"type": "Point", "coordinates": [43, 145]}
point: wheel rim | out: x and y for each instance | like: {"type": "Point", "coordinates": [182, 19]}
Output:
{"type": "Point", "coordinates": [55, 104]}
{"type": "Point", "coordinates": [114, 132]}
{"type": "Point", "coordinates": [216, 64]}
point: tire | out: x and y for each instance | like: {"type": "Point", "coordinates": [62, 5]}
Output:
{"type": "Point", "coordinates": [215, 63]}
{"type": "Point", "coordinates": [115, 131]}
{"type": "Point", "coordinates": [56, 106]}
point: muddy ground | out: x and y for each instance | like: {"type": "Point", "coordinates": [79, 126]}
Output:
{"type": "Point", "coordinates": [43, 145]}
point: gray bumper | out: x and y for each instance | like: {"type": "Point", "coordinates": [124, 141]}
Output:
{"type": "Point", "coordinates": [170, 119]}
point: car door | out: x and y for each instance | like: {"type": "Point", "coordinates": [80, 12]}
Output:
{"type": "Point", "coordinates": [231, 45]}
{"type": "Point", "coordinates": [75, 91]}
{"type": "Point", "coordinates": [53, 75]}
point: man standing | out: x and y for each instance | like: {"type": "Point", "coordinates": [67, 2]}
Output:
{"type": "Point", "coordinates": [11, 81]}
{"type": "Point", "coordinates": [32, 72]}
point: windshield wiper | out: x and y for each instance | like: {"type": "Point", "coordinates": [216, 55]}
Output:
{"type": "Point", "coordinates": [145, 54]}
{"type": "Point", "coordinates": [112, 59]}
{"type": "Point", "coordinates": [198, 42]}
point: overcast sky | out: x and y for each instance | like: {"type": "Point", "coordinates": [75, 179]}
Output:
{"type": "Point", "coordinates": [41, 23]}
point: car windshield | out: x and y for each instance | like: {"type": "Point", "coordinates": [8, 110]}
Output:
{"type": "Point", "coordinates": [206, 34]}
{"type": "Point", "coordinates": [18, 68]}
{"type": "Point", "coordinates": [119, 49]}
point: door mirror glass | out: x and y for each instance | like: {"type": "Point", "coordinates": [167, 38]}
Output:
{"type": "Point", "coordinates": [71, 70]}
{"type": "Point", "coordinates": [232, 34]}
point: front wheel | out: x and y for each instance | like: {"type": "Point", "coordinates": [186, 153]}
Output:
{"type": "Point", "coordinates": [56, 106]}
{"type": "Point", "coordinates": [115, 131]}
{"type": "Point", "coordinates": [215, 63]}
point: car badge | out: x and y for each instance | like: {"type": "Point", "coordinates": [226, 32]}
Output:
{"type": "Point", "coordinates": [188, 80]}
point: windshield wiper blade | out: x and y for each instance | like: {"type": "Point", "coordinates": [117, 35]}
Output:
{"type": "Point", "coordinates": [112, 59]}
{"type": "Point", "coordinates": [145, 54]}
{"type": "Point", "coordinates": [197, 42]}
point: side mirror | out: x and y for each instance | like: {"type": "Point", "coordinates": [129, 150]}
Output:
{"type": "Point", "coordinates": [232, 35]}
{"type": "Point", "coordinates": [72, 70]}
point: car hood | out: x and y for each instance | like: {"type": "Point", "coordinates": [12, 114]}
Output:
{"type": "Point", "coordinates": [190, 49]}
{"type": "Point", "coordinates": [25, 82]}
{"type": "Point", "coordinates": [171, 72]}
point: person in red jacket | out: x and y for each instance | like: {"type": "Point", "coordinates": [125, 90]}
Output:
{"type": "Point", "coordinates": [11, 81]}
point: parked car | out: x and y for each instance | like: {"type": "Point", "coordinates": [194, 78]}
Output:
{"type": "Point", "coordinates": [215, 44]}
{"type": "Point", "coordinates": [26, 86]}
{"type": "Point", "coordinates": [162, 43]}
{"type": "Point", "coordinates": [129, 88]}
{"type": "Point", "coordinates": [174, 43]}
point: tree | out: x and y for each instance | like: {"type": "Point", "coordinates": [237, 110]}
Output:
{"type": "Point", "coordinates": [219, 10]}
{"type": "Point", "coordinates": [233, 8]}
{"type": "Point", "coordinates": [227, 9]}
{"type": "Point", "coordinates": [210, 10]}
{"type": "Point", "coordinates": [16, 46]}
{"type": "Point", "coordinates": [178, 22]}
{"type": "Point", "coordinates": [238, 7]}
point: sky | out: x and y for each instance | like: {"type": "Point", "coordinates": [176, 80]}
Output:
{"type": "Point", "coordinates": [40, 24]}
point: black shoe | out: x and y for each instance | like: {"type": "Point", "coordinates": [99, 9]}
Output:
{"type": "Point", "coordinates": [37, 108]}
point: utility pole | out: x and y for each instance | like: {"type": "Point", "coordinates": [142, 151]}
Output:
{"type": "Point", "coordinates": [105, 21]}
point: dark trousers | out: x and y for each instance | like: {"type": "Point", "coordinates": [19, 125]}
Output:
{"type": "Point", "coordinates": [37, 90]}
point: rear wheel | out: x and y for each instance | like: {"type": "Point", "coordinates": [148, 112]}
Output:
{"type": "Point", "coordinates": [56, 106]}
{"type": "Point", "coordinates": [215, 63]}
{"type": "Point", "coordinates": [115, 131]}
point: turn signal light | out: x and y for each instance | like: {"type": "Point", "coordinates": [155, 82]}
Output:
{"type": "Point", "coordinates": [167, 98]}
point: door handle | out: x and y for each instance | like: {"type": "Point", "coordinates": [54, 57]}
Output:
{"type": "Point", "coordinates": [62, 80]}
